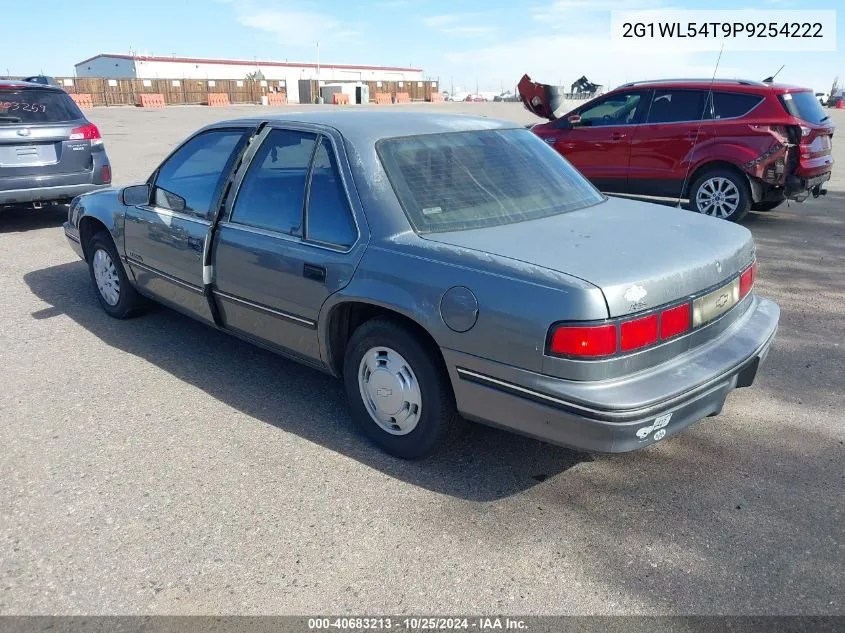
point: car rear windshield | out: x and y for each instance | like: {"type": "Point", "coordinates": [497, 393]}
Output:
{"type": "Point", "coordinates": [37, 106]}
{"type": "Point", "coordinates": [467, 180]}
{"type": "Point", "coordinates": [804, 105]}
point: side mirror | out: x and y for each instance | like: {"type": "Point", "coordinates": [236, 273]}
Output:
{"type": "Point", "coordinates": [136, 195]}
{"type": "Point", "coordinates": [572, 119]}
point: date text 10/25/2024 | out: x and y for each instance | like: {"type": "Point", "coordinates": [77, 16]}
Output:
{"type": "Point", "coordinates": [417, 624]}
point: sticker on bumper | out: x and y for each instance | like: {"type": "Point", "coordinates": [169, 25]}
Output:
{"type": "Point", "coordinates": [658, 425]}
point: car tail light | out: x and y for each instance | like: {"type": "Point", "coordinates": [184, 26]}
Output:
{"type": "Point", "coordinates": [746, 280]}
{"type": "Point", "coordinates": [638, 333]}
{"type": "Point", "coordinates": [584, 341]}
{"type": "Point", "coordinates": [674, 321]}
{"type": "Point", "coordinates": [87, 132]}
{"type": "Point", "coordinates": [106, 174]}
{"type": "Point", "coordinates": [625, 335]}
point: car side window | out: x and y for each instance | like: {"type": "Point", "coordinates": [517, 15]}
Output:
{"type": "Point", "coordinates": [729, 105]}
{"type": "Point", "coordinates": [329, 218]}
{"type": "Point", "coordinates": [272, 194]}
{"type": "Point", "coordinates": [620, 109]}
{"type": "Point", "coordinates": [677, 106]}
{"type": "Point", "coordinates": [189, 179]}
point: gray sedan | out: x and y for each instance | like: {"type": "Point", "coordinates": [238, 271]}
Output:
{"type": "Point", "coordinates": [444, 267]}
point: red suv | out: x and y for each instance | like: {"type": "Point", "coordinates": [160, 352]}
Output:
{"type": "Point", "coordinates": [727, 145]}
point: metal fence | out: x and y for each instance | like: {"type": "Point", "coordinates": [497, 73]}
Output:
{"type": "Point", "coordinates": [240, 91]}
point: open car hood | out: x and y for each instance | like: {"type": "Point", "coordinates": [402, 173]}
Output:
{"type": "Point", "coordinates": [541, 99]}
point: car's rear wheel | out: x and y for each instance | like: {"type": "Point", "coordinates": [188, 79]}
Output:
{"type": "Point", "coordinates": [721, 193]}
{"type": "Point", "coordinates": [398, 390]}
{"type": "Point", "coordinates": [114, 292]}
{"type": "Point", "coordinates": [766, 206]}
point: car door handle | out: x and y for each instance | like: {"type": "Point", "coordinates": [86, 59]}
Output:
{"type": "Point", "coordinates": [317, 273]}
{"type": "Point", "coordinates": [618, 136]}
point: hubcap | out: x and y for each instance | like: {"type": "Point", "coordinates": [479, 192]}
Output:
{"type": "Point", "coordinates": [718, 197]}
{"type": "Point", "coordinates": [390, 390]}
{"type": "Point", "coordinates": [105, 274]}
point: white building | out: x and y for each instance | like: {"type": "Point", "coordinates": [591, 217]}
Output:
{"type": "Point", "coordinates": [116, 66]}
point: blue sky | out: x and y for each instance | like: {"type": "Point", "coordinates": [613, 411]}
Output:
{"type": "Point", "coordinates": [489, 43]}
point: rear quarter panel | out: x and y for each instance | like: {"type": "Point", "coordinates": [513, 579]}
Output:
{"type": "Point", "coordinates": [517, 303]}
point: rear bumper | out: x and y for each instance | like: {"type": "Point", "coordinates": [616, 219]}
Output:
{"type": "Point", "coordinates": [624, 414]}
{"type": "Point", "coordinates": [800, 183]}
{"type": "Point", "coordinates": [46, 194]}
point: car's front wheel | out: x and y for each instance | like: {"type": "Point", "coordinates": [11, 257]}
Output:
{"type": "Point", "coordinates": [114, 292]}
{"type": "Point", "coordinates": [398, 390]}
{"type": "Point", "coordinates": [721, 193]}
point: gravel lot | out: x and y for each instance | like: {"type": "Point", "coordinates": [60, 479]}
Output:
{"type": "Point", "coordinates": [157, 466]}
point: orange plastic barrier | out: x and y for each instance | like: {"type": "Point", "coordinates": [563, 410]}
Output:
{"type": "Point", "coordinates": [436, 97]}
{"type": "Point", "coordinates": [218, 99]}
{"type": "Point", "coordinates": [339, 98]}
{"type": "Point", "coordinates": [277, 98]}
{"type": "Point", "coordinates": [83, 100]}
{"type": "Point", "coordinates": [152, 100]}
{"type": "Point", "coordinates": [383, 98]}
{"type": "Point", "coordinates": [403, 97]}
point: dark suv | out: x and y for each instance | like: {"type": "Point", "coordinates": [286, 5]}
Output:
{"type": "Point", "coordinates": [729, 146]}
{"type": "Point", "coordinates": [49, 151]}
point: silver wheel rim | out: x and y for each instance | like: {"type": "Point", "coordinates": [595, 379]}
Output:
{"type": "Point", "coordinates": [718, 197]}
{"type": "Point", "coordinates": [390, 390]}
{"type": "Point", "coordinates": [105, 274]}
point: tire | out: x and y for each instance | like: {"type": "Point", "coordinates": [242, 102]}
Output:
{"type": "Point", "coordinates": [116, 295]}
{"type": "Point", "coordinates": [735, 200]}
{"type": "Point", "coordinates": [389, 371]}
{"type": "Point", "coordinates": [766, 206]}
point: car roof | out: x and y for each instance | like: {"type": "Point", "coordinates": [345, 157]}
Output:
{"type": "Point", "coordinates": [13, 83]}
{"type": "Point", "coordinates": [369, 126]}
{"type": "Point", "coordinates": [743, 85]}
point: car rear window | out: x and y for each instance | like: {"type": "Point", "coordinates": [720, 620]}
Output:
{"type": "Point", "coordinates": [465, 180]}
{"type": "Point", "coordinates": [803, 105]}
{"type": "Point", "coordinates": [677, 106]}
{"type": "Point", "coordinates": [37, 106]}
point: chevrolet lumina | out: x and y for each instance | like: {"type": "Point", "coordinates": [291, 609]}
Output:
{"type": "Point", "coordinates": [442, 267]}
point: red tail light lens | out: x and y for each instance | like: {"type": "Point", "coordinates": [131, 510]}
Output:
{"type": "Point", "coordinates": [618, 337]}
{"type": "Point", "coordinates": [639, 333]}
{"type": "Point", "coordinates": [85, 133]}
{"type": "Point", "coordinates": [746, 280]}
{"type": "Point", "coordinates": [106, 174]}
{"type": "Point", "coordinates": [674, 321]}
{"type": "Point", "coordinates": [585, 341]}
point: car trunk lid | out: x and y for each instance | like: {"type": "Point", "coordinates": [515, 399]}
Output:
{"type": "Point", "coordinates": [640, 255]}
{"type": "Point", "coordinates": [42, 150]}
